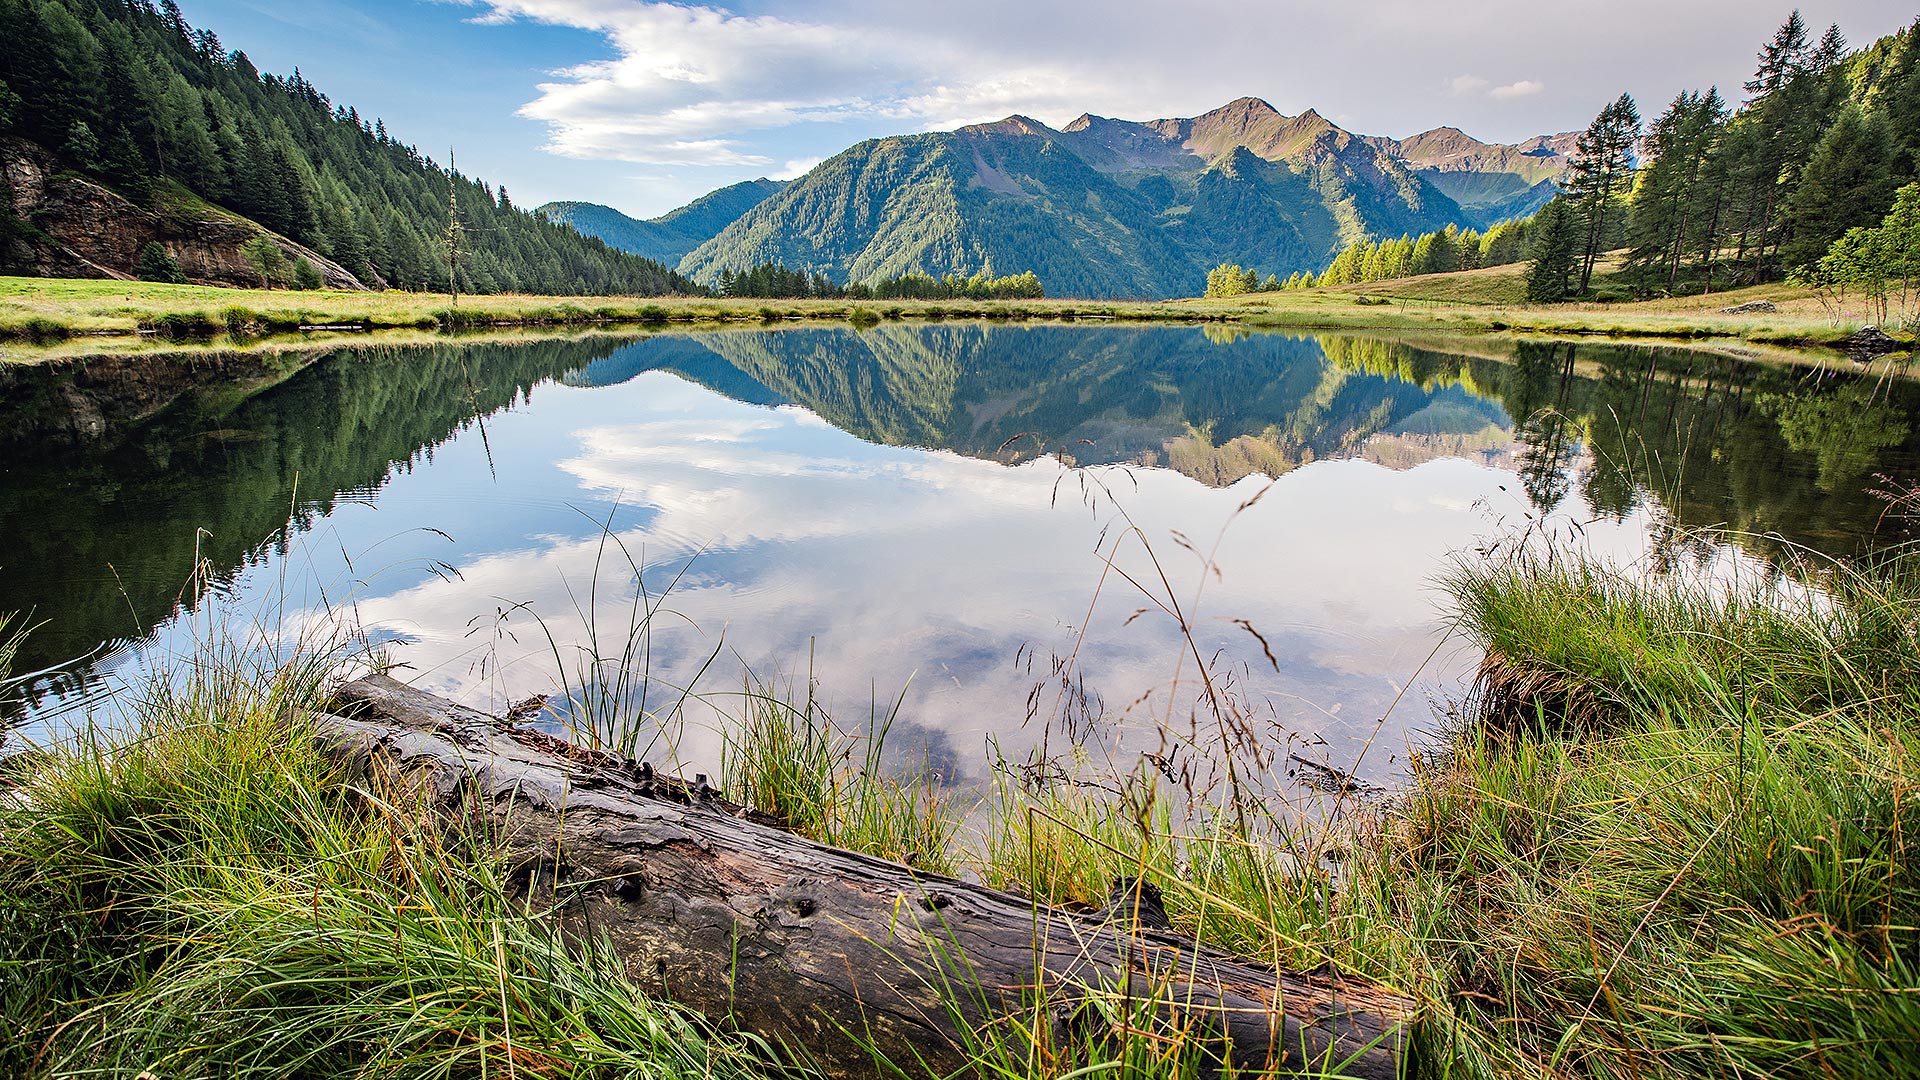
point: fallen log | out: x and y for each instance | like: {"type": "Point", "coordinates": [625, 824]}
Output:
{"type": "Point", "coordinates": [851, 959]}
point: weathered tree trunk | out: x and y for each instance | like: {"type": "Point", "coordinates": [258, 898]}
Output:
{"type": "Point", "coordinates": [843, 956]}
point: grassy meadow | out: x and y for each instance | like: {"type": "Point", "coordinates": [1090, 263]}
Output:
{"type": "Point", "coordinates": [1494, 300]}
{"type": "Point", "coordinates": [1667, 836]}
{"type": "Point", "coordinates": [49, 318]}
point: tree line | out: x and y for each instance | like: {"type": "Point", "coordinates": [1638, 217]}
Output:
{"type": "Point", "coordinates": [772, 280]}
{"type": "Point", "coordinates": [131, 95]}
{"type": "Point", "coordinates": [1440, 252]}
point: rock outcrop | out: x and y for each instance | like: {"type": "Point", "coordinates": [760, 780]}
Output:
{"type": "Point", "coordinates": [79, 229]}
{"type": "Point", "coordinates": [1870, 343]}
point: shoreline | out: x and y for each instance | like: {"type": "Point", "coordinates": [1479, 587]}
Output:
{"type": "Point", "coordinates": [37, 316]}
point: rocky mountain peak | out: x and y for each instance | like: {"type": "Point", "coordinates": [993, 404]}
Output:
{"type": "Point", "coordinates": [1012, 125]}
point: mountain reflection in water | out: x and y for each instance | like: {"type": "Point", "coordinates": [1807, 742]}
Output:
{"type": "Point", "coordinates": [932, 503]}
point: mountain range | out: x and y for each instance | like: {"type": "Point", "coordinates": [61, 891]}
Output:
{"type": "Point", "coordinates": [1099, 208]}
{"type": "Point", "coordinates": [669, 237]}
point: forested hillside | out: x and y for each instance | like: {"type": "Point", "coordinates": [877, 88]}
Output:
{"type": "Point", "coordinates": [135, 101]}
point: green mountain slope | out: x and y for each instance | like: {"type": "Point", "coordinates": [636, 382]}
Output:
{"type": "Point", "coordinates": [1101, 207]}
{"type": "Point", "coordinates": [669, 237]}
{"type": "Point", "coordinates": [121, 126]}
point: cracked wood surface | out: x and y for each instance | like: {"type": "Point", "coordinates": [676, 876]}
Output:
{"type": "Point", "coordinates": [839, 954]}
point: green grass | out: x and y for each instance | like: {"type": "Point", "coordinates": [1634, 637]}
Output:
{"type": "Point", "coordinates": [37, 311]}
{"type": "Point", "coordinates": [1681, 848]}
{"type": "Point", "coordinates": [216, 898]}
{"type": "Point", "coordinates": [42, 307]}
{"type": "Point", "coordinates": [1494, 300]}
{"type": "Point", "coordinates": [789, 759]}
{"type": "Point", "coordinates": [1669, 838]}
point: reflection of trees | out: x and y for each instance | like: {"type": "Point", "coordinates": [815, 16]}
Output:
{"type": "Point", "coordinates": [1549, 447]}
{"type": "Point", "coordinates": [1681, 430]}
{"type": "Point", "coordinates": [119, 463]}
{"type": "Point", "coordinates": [1711, 442]}
{"type": "Point", "coordinates": [1845, 431]}
{"type": "Point", "coordinates": [1703, 439]}
{"type": "Point", "coordinates": [1549, 440]}
{"type": "Point", "coordinates": [105, 534]}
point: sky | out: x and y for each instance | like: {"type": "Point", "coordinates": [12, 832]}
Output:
{"type": "Point", "coordinates": [646, 106]}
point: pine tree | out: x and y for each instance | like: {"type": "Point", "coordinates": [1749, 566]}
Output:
{"type": "Point", "coordinates": [156, 264]}
{"type": "Point", "coordinates": [306, 276]}
{"type": "Point", "coordinates": [1669, 199]}
{"type": "Point", "coordinates": [1556, 253]}
{"type": "Point", "coordinates": [1787, 109]}
{"type": "Point", "coordinates": [1780, 58]}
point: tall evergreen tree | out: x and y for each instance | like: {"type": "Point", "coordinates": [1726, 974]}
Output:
{"type": "Point", "coordinates": [1789, 102]}
{"type": "Point", "coordinates": [1556, 253]}
{"type": "Point", "coordinates": [1847, 180]}
{"type": "Point", "coordinates": [1601, 173]}
{"type": "Point", "coordinates": [1672, 204]}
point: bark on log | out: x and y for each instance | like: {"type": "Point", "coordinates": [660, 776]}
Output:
{"type": "Point", "coordinates": [840, 954]}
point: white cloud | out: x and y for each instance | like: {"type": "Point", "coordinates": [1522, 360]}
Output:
{"type": "Point", "coordinates": [796, 168]}
{"type": "Point", "coordinates": [1472, 86]}
{"type": "Point", "coordinates": [693, 85]}
{"type": "Point", "coordinates": [1523, 88]}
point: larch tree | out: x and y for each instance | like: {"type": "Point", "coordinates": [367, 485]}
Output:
{"type": "Point", "coordinates": [1601, 175]}
{"type": "Point", "coordinates": [1847, 180]}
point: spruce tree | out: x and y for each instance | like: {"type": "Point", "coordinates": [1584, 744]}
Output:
{"type": "Point", "coordinates": [1668, 199]}
{"type": "Point", "coordinates": [1556, 253]}
{"type": "Point", "coordinates": [1848, 181]}
{"type": "Point", "coordinates": [156, 264]}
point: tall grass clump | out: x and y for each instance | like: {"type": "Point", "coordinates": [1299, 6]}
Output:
{"type": "Point", "coordinates": [1260, 888]}
{"type": "Point", "coordinates": [786, 757]}
{"type": "Point", "coordinates": [1573, 642]}
{"type": "Point", "coordinates": [1675, 836]}
{"type": "Point", "coordinates": [217, 897]}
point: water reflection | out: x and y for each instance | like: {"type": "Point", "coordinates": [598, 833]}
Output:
{"type": "Point", "coordinates": [961, 506]}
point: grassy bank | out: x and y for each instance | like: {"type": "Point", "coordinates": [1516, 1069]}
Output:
{"type": "Point", "coordinates": [35, 310]}
{"type": "Point", "coordinates": [1494, 299]}
{"type": "Point", "coordinates": [40, 308]}
{"type": "Point", "coordinates": [1672, 837]}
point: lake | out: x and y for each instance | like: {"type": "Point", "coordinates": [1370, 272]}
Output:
{"type": "Point", "coordinates": [1046, 544]}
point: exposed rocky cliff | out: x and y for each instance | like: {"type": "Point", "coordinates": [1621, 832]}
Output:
{"type": "Point", "coordinates": [76, 228]}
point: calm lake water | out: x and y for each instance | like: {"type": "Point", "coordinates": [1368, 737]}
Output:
{"type": "Point", "coordinates": [989, 522]}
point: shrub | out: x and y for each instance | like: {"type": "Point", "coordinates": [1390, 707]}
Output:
{"type": "Point", "coordinates": [184, 324]}
{"type": "Point", "coordinates": [157, 264]}
{"type": "Point", "coordinates": [240, 320]}
{"type": "Point", "coordinates": [267, 260]}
